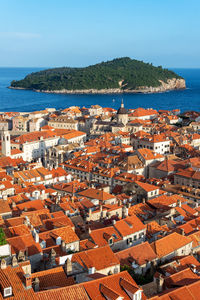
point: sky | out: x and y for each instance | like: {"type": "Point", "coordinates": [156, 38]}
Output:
{"type": "Point", "coordinates": [50, 33]}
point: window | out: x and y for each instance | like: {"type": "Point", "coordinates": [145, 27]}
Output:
{"type": "Point", "coordinates": [110, 241]}
{"type": "Point", "coordinates": [8, 291]}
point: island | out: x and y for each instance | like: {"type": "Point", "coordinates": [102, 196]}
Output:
{"type": "Point", "coordinates": [120, 75]}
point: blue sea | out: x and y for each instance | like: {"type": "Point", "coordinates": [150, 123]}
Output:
{"type": "Point", "coordinates": [22, 100]}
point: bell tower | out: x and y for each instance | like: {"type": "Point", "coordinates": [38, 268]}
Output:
{"type": "Point", "coordinates": [122, 114]}
{"type": "Point", "coordinates": [5, 143]}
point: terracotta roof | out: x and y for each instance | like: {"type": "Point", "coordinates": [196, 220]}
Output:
{"type": "Point", "coordinates": [52, 278]}
{"type": "Point", "coordinates": [111, 287]}
{"type": "Point", "coordinates": [148, 154]}
{"type": "Point", "coordinates": [190, 291]}
{"type": "Point", "coordinates": [96, 194]}
{"type": "Point", "coordinates": [33, 136]}
{"type": "Point", "coordinates": [169, 244]}
{"type": "Point", "coordinates": [74, 292]}
{"type": "Point", "coordinates": [58, 222]}
{"type": "Point", "coordinates": [16, 151]}
{"type": "Point", "coordinates": [86, 244]}
{"type": "Point", "coordinates": [154, 228]}
{"type": "Point", "coordinates": [22, 243]}
{"type": "Point", "coordinates": [165, 201]}
{"type": "Point", "coordinates": [140, 254]}
{"type": "Point", "coordinates": [102, 236]}
{"type": "Point", "coordinates": [141, 210]}
{"type": "Point", "coordinates": [16, 231]}
{"type": "Point", "coordinates": [146, 186]}
{"type": "Point", "coordinates": [31, 205]}
{"type": "Point", "coordinates": [141, 112]}
{"type": "Point", "coordinates": [14, 276]}
{"type": "Point", "coordinates": [66, 234]}
{"type": "Point", "coordinates": [181, 278]}
{"type": "Point", "coordinates": [7, 161]}
{"type": "Point", "coordinates": [129, 225]}
{"type": "Point", "coordinates": [4, 207]}
{"type": "Point", "coordinates": [14, 221]}
{"type": "Point", "coordinates": [100, 258]}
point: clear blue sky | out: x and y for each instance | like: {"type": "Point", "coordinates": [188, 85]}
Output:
{"type": "Point", "coordinates": [47, 33]}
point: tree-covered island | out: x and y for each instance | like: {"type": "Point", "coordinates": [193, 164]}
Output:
{"type": "Point", "coordinates": [115, 76]}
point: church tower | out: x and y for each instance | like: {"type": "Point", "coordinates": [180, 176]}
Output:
{"type": "Point", "coordinates": [5, 143]}
{"type": "Point", "coordinates": [122, 115]}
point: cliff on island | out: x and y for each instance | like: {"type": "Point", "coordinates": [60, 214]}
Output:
{"type": "Point", "coordinates": [121, 75]}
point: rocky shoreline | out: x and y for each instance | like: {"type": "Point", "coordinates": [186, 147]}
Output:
{"type": "Point", "coordinates": [171, 84]}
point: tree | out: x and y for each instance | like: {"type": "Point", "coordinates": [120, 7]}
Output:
{"type": "Point", "coordinates": [2, 237]}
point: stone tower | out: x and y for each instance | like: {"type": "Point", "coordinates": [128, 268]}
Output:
{"type": "Point", "coordinates": [122, 115]}
{"type": "Point", "coordinates": [5, 143]}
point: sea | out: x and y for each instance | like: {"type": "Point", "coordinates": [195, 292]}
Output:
{"type": "Point", "coordinates": [27, 101]}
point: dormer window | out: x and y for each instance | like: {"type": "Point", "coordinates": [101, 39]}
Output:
{"type": "Point", "coordinates": [7, 292]}
{"type": "Point", "coordinates": [58, 241]}
{"type": "Point", "coordinates": [110, 241]}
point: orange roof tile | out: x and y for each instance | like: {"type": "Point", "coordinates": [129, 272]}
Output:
{"type": "Point", "coordinates": [102, 236]}
{"type": "Point", "coordinates": [96, 194]}
{"type": "Point", "coordinates": [74, 292]}
{"type": "Point", "coordinates": [169, 244]}
{"type": "Point", "coordinates": [100, 258]}
{"type": "Point", "coordinates": [129, 225]}
{"type": "Point", "coordinates": [23, 243]}
{"type": "Point", "coordinates": [15, 278]}
{"type": "Point", "coordinates": [113, 286]}
{"type": "Point", "coordinates": [140, 254]}
{"type": "Point", "coordinates": [52, 278]}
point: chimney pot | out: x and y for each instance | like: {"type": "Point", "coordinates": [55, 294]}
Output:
{"type": "Point", "coordinates": [28, 281]}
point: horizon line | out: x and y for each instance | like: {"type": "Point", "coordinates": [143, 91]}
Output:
{"type": "Point", "coordinates": [53, 67]}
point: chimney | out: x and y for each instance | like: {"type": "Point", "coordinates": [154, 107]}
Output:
{"type": "Point", "coordinates": [119, 202]}
{"type": "Point", "coordinates": [52, 255]}
{"type": "Point", "coordinates": [100, 208]}
{"type": "Point", "coordinates": [124, 212]}
{"type": "Point", "coordinates": [37, 237]}
{"type": "Point", "coordinates": [13, 204]}
{"type": "Point", "coordinates": [72, 199]}
{"type": "Point", "coordinates": [159, 282]}
{"type": "Point", "coordinates": [25, 222]}
{"type": "Point", "coordinates": [179, 203]}
{"type": "Point", "coordinates": [90, 212]}
{"type": "Point", "coordinates": [36, 284]}
{"type": "Point", "coordinates": [128, 205]}
{"type": "Point", "coordinates": [68, 266]}
{"type": "Point", "coordinates": [63, 246]}
{"type": "Point", "coordinates": [3, 264]}
{"type": "Point", "coordinates": [27, 281]}
{"type": "Point", "coordinates": [14, 261]}
{"type": "Point", "coordinates": [143, 200]}
{"type": "Point", "coordinates": [193, 268]}
{"type": "Point", "coordinates": [182, 231]}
